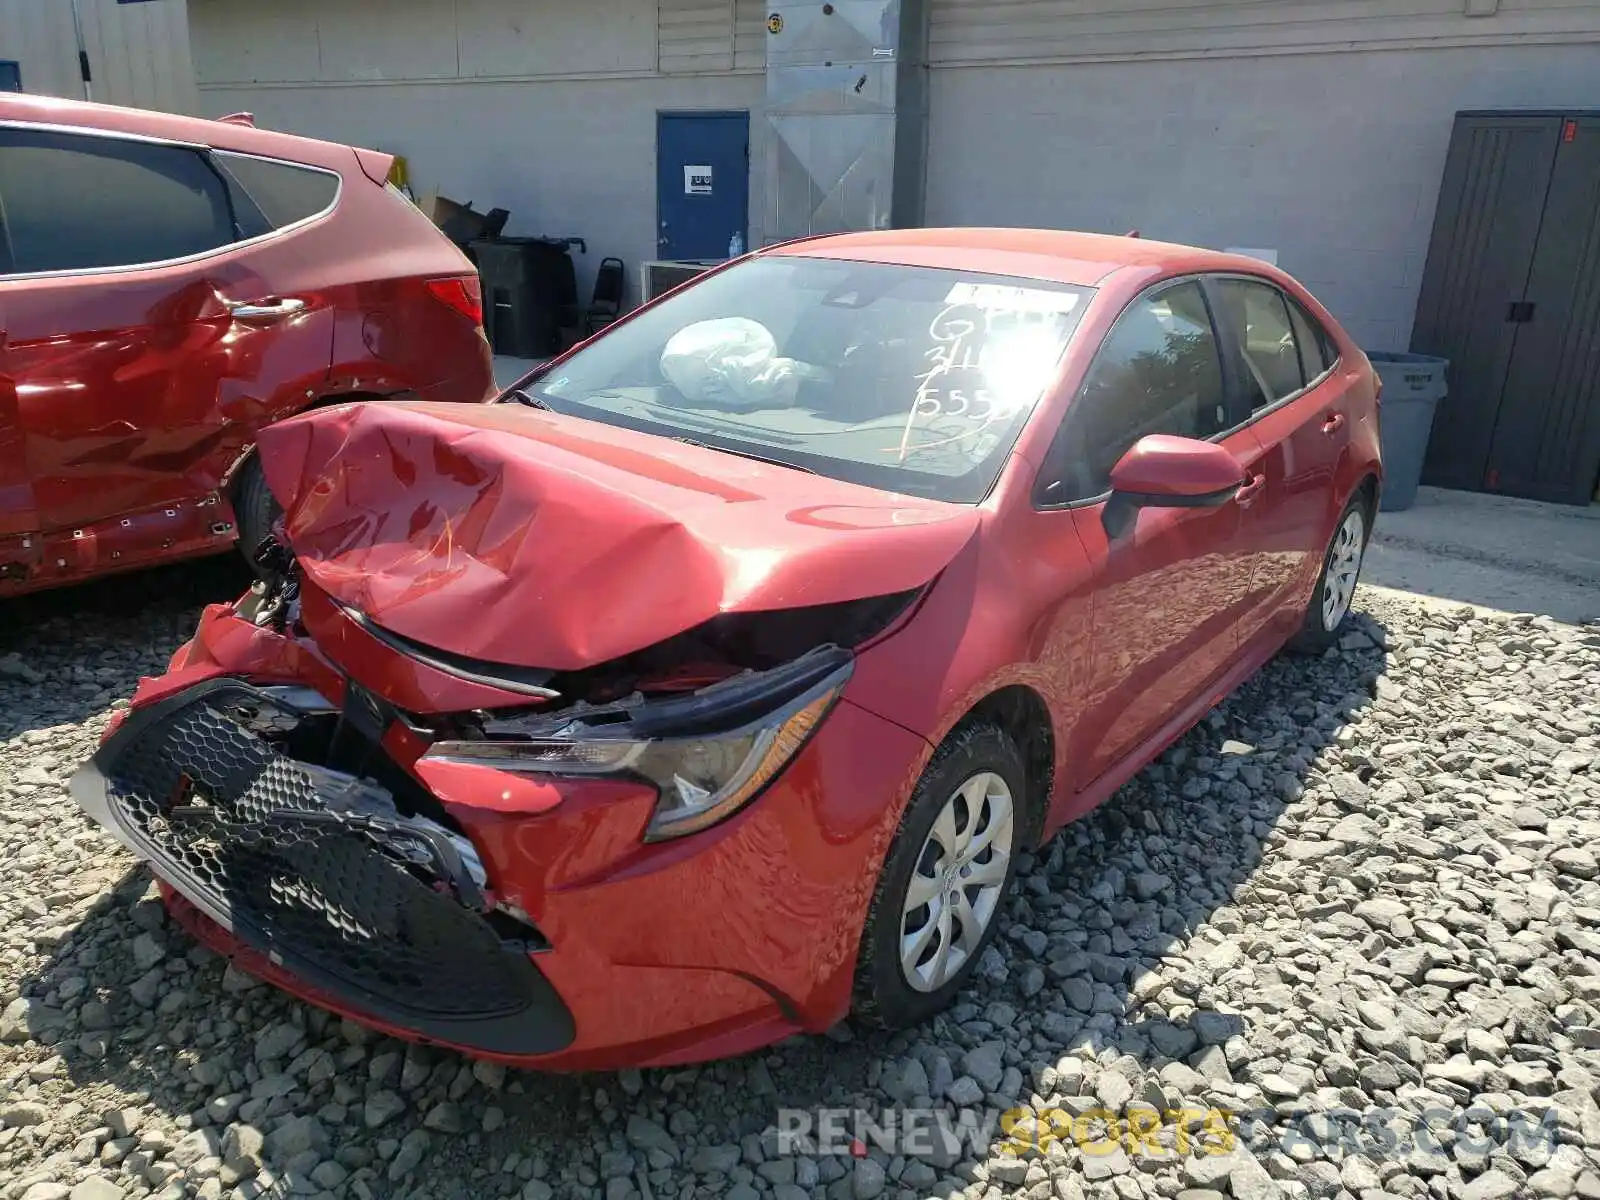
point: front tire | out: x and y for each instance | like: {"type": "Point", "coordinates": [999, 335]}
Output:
{"type": "Point", "coordinates": [945, 879]}
{"type": "Point", "coordinates": [254, 508]}
{"type": "Point", "coordinates": [1336, 583]}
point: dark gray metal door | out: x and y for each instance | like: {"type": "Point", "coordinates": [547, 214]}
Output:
{"type": "Point", "coordinates": [1547, 437]}
{"type": "Point", "coordinates": [1496, 177]}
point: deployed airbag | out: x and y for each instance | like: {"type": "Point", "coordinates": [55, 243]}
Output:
{"type": "Point", "coordinates": [732, 362]}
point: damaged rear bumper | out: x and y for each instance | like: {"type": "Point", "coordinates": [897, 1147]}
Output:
{"type": "Point", "coordinates": [649, 954]}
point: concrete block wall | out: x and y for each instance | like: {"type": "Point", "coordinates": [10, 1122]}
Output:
{"type": "Point", "coordinates": [1334, 160]}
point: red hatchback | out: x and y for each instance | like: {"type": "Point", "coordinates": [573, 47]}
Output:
{"type": "Point", "coordinates": [168, 287]}
{"type": "Point", "coordinates": [708, 687]}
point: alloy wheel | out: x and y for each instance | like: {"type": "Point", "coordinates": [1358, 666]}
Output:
{"type": "Point", "coordinates": [956, 887]}
{"type": "Point", "coordinates": [1344, 568]}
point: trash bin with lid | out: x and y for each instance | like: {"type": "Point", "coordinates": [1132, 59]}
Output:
{"type": "Point", "coordinates": [1413, 385]}
{"type": "Point", "coordinates": [530, 293]}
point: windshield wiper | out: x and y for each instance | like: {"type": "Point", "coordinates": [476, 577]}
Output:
{"type": "Point", "coordinates": [761, 458]}
{"type": "Point", "coordinates": [526, 397]}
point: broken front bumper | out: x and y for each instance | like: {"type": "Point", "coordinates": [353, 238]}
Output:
{"type": "Point", "coordinates": [702, 947]}
{"type": "Point", "coordinates": [372, 909]}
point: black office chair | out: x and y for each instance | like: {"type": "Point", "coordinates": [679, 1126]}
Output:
{"type": "Point", "coordinates": [606, 306]}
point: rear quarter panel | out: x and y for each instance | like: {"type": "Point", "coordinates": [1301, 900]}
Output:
{"type": "Point", "coordinates": [391, 335]}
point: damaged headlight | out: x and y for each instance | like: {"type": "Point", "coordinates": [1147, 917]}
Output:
{"type": "Point", "coordinates": [708, 754]}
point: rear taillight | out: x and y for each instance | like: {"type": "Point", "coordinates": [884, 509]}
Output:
{"type": "Point", "coordinates": [462, 293]}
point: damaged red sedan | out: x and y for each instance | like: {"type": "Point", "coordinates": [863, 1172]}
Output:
{"type": "Point", "coordinates": [707, 687]}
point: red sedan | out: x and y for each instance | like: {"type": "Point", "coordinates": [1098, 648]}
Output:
{"type": "Point", "coordinates": [169, 286]}
{"type": "Point", "coordinates": [708, 686]}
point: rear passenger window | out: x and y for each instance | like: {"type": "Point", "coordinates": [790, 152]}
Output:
{"type": "Point", "coordinates": [1317, 351]}
{"type": "Point", "coordinates": [76, 202]}
{"type": "Point", "coordinates": [1269, 351]}
{"type": "Point", "coordinates": [268, 194]}
{"type": "Point", "coordinates": [1157, 372]}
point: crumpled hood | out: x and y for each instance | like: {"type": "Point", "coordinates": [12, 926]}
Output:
{"type": "Point", "coordinates": [518, 536]}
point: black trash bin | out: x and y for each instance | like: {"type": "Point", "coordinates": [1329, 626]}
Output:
{"type": "Point", "coordinates": [530, 293]}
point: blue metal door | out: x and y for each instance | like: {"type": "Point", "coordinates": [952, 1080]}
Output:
{"type": "Point", "coordinates": [702, 183]}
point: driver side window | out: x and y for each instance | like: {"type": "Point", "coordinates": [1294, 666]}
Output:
{"type": "Point", "coordinates": [1158, 371]}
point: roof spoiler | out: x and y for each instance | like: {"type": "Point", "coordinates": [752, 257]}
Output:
{"type": "Point", "coordinates": [375, 164]}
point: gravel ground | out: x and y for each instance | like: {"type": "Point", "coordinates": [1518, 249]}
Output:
{"type": "Point", "coordinates": [1364, 890]}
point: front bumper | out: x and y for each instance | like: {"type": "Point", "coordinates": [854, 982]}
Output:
{"type": "Point", "coordinates": [711, 945]}
{"type": "Point", "coordinates": [256, 846]}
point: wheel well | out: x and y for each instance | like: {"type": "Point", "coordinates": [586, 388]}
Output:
{"type": "Point", "coordinates": [1367, 489]}
{"type": "Point", "coordinates": [1023, 714]}
{"type": "Point", "coordinates": [249, 455]}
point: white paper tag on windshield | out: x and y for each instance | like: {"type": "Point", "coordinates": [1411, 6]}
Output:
{"type": "Point", "coordinates": [1011, 299]}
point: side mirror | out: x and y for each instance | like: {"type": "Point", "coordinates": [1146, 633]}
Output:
{"type": "Point", "coordinates": [1163, 471]}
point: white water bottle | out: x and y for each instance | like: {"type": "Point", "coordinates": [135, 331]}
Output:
{"type": "Point", "coordinates": [736, 245]}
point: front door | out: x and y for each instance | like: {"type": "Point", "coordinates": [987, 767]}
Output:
{"type": "Point", "coordinates": [19, 523]}
{"type": "Point", "coordinates": [1168, 588]}
{"type": "Point", "coordinates": [702, 184]}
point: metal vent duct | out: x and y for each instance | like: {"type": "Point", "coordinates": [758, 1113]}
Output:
{"type": "Point", "coordinates": [847, 97]}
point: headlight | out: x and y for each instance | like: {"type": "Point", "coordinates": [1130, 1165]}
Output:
{"type": "Point", "coordinates": [708, 754]}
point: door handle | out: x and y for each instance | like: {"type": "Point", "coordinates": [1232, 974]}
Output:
{"type": "Point", "coordinates": [1334, 423]}
{"type": "Point", "coordinates": [270, 310]}
{"type": "Point", "coordinates": [1250, 490]}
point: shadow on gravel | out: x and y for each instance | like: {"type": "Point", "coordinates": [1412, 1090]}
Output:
{"type": "Point", "coordinates": [1082, 968]}
{"type": "Point", "coordinates": [67, 654]}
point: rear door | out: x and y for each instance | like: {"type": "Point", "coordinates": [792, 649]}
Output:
{"type": "Point", "coordinates": [1167, 592]}
{"type": "Point", "coordinates": [150, 328]}
{"type": "Point", "coordinates": [1296, 407]}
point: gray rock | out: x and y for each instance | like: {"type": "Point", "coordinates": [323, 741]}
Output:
{"type": "Point", "coordinates": [1147, 885]}
{"type": "Point", "coordinates": [406, 1160]}
{"type": "Point", "coordinates": [382, 1107]}
{"type": "Point", "coordinates": [1576, 861]}
{"type": "Point", "coordinates": [444, 1118]}
{"type": "Point", "coordinates": [984, 1063]}
{"type": "Point", "coordinates": [294, 1136]}
{"type": "Point", "coordinates": [868, 1179]}
{"type": "Point", "coordinates": [276, 1042]}
{"type": "Point", "coordinates": [1491, 1185]}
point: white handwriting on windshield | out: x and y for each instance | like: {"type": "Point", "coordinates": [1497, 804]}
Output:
{"type": "Point", "coordinates": [959, 334]}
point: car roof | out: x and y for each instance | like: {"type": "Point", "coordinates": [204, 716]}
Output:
{"type": "Point", "coordinates": [148, 123]}
{"type": "Point", "coordinates": [1060, 256]}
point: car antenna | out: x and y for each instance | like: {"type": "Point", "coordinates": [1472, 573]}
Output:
{"type": "Point", "coordinates": [1131, 233]}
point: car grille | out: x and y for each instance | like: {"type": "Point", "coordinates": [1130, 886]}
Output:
{"type": "Point", "coordinates": [246, 833]}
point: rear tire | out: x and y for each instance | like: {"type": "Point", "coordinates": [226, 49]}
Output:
{"type": "Point", "coordinates": [254, 508]}
{"type": "Point", "coordinates": [957, 846]}
{"type": "Point", "coordinates": [1331, 599]}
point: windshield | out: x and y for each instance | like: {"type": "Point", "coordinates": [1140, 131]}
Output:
{"type": "Point", "coordinates": [909, 379]}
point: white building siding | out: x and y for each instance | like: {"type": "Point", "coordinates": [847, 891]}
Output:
{"type": "Point", "coordinates": [138, 53]}
{"type": "Point", "coordinates": [546, 108]}
{"type": "Point", "coordinates": [1014, 31]}
{"type": "Point", "coordinates": [711, 35]}
{"type": "Point", "coordinates": [37, 34]}
{"type": "Point", "coordinates": [1333, 160]}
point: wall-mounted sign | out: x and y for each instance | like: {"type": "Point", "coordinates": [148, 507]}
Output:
{"type": "Point", "coordinates": [697, 181]}
{"type": "Point", "coordinates": [775, 23]}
